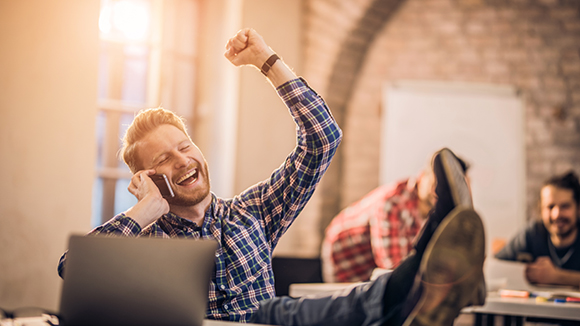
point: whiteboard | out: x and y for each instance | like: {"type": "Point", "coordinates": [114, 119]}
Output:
{"type": "Point", "coordinates": [483, 124]}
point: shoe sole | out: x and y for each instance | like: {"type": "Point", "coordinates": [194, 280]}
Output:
{"type": "Point", "coordinates": [450, 271]}
{"type": "Point", "coordinates": [456, 179]}
{"type": "Point", "coordinates": [461, 195]}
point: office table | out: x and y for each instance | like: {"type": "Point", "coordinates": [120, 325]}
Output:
{"type": "Point", "coordinates": [39, 321]}
{"type": "Point", "coordinates": [208, 322]}
{"type": "Point", "coordinates": [525, 307]}
{"type": "Point", "coordinates": [494, 305]}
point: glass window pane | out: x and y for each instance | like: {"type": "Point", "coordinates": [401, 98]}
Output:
{"type": "Point", "coordinates": [184, 87]}
{"type": "Point", "coordinates": [104, 63]}
{"type": "Point", "coordinates": [97, 210]}
{"type": "Point", "coordinates": [129, 60]}
{"type": "Point", "coordinates": [126, 119]}
{"type": "Point", "coordinates": [135, 73]}
{"type": "Point", "coordinates": [100, 135]}
{"type": "Point", "coordinates": [126, 20]}
{"type": "Point", "coordinates": [111, 61]}
{"type": "Point", "coordinates": [187, 33]}
{"type": "Point", "coordinates": [123, 198]}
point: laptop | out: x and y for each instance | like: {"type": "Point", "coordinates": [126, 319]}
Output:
{"type": "Point", "coordinates": [136, 281]}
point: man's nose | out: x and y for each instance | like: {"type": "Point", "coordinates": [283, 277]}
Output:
{"type": "Point", "coordinates": [181, 160]}
{"type": "Point", "coordinates": [555, 212]}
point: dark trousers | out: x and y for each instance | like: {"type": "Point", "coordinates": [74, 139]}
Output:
{"type": "Point", "coordinates": [361, 305]}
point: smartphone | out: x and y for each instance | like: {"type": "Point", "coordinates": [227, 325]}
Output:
{"type": "Point", "coordinates": [163, 184]}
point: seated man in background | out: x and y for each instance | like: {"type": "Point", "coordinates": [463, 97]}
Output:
{"type": "Point", "coordinates": [551, 245]}
{"type": "Point", "coordinates": [378, 230]}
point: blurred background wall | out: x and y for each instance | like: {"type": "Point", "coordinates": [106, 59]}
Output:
{"type": "Point", "coordinates": [347, 50]}
{"type": "Point", "coordinates": [353, 48]}
{"type": "Point", "coordinates": [48, 64]}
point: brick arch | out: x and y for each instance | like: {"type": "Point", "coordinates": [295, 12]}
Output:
{"type": "Point", "coordinates": [533, 46]}
{"type": "Point", "coordinates": [341, 85]}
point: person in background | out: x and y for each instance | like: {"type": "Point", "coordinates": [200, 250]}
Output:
{"type": "Point", "coordinates": [551, 246]}
{"type": "Point", "coordinates": [377, 231]}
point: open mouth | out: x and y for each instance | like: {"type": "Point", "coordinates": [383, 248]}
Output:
{"type": "Point", "coordinates": [560, 223]}
{"type": "Point", "coordinates": [188, 179]}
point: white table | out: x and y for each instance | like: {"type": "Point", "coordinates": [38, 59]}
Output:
{"type": "Point", "coordinates": [526, 307]}
{"type": "Point", "coordinates": [302, 289]}
{"type": "Point", "coordinates": [208, 322]}
{"type": "Point", "coordinates": [494, 305]}
{"type": "Point", "coordinates": [39, 321]}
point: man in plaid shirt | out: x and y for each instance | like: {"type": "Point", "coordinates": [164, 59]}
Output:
{"type": "Point", "coordinates": [378, 230]}
{"type": "Point", "coordinates": [246, 227]}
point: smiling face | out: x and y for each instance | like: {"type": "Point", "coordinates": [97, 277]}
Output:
{"type": "Point", "coordinates": [559, 213]}
{"type": "Point", "coordinates": [167, 150]}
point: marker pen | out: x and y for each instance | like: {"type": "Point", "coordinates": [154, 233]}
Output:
{"type": "Point", "coordinates": [573, 299]}
{"type": "Point", "coordinates": [514, 294]}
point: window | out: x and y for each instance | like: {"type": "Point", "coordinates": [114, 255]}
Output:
{"type": "Point", "coordinates": [148, 54]}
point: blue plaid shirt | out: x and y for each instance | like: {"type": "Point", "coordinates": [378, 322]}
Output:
{"type": "Point", "coordinates": [248, 226]}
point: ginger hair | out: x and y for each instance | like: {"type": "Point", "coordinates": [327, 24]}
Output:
{"type": "Point", "coordinates": [145, 122]}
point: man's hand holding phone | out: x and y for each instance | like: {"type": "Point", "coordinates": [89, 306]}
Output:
{"type": "Point", "coordinates": [151, 205]}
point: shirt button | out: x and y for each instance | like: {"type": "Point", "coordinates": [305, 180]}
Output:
{"type": "Point", "coordinates": [225, 306]}
{"type": "Point", "coordinates": [217, 254]}
{"type": "Point", "coordinates": [223, 287]}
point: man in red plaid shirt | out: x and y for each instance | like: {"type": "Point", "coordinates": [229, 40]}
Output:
{"type": "Point", "coordinates": [378, 230]}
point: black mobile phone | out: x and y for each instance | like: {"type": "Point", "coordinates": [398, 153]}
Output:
{"type": "Point", "coordinates": [163, 184]}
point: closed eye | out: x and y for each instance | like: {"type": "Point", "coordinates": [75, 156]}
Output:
{"type": "Point", "coordinates": [163, 160]}
{"type": "Point", "coordinates": [565, 206]}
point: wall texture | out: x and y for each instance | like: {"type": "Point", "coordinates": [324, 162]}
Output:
{"type": "Point", "coordinates": [48, 95]}
{"type": "Point", "coordinates": [531, 44]}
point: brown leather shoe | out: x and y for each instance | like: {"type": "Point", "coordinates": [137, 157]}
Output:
{"type": "Point", "coordinates": [453, 213]}
{"type": "Point", "coordinates": [451, 270]}
{"type": "Point", "coordinates": [452, 191]}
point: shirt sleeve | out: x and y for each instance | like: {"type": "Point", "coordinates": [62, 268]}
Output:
{"type": "Point", "coordinates": [120, 225]}
{"type": "Point", "coordinates": [346, 252]}
{"type": "Point", "coordinates": [518, 244]}
{"type": "Point", "coordinates": [278, 200]}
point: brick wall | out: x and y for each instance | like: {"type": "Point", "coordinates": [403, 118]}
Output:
{"type": "Point", "coordinates": [531, 44]}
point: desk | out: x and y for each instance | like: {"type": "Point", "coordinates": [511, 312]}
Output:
{"type": "Point", "coordinates": [494, 304]}
{"type": "Point", "coordinates": [208, 322]}
{"type": "Point", "coordinates": [302, 289]}
{"type": "Point", "coordinates": [525, 307]}
{"type": "Point", "coordinates": [40, 321]}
